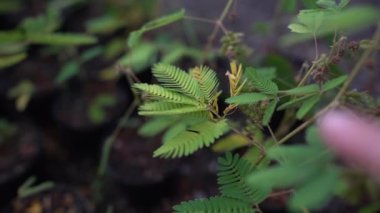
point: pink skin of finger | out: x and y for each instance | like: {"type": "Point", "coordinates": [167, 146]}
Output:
{"type": "Point", "coordinates": [355, 138]}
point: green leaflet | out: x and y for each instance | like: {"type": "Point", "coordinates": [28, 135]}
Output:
{"type": "Point", "coordinates": [333, 83]}
{"type": "Point", "coordinates": [312, 88]}
{"type": "Point", "coordinates": [207, 80]}
{"type": "Point", "coordinates": [328, 4]}
{"type": "Point", "coordinates": [261, 83]}
{"type": "Point", "coordinates": [167, 108]}
{"type": "Point", "coordinates": [9, 60]}
{"type": "Point", "coordinates": [160, 93]}
{"type": "Point", "coordinates": [216, 204]}
{"type": "Point", "coordinates": [293, 102]}
{"type": "Point", "coordinates": [247, 98]}
{"type": "Point", "coordinates": [134, 37]}
{"type": "Point", "coordinates": [195, 137]}
{"type": "Point", "coordinates": [307, 106]}
{"type": "Point", "coordinates": [269, 73]}
{"type": "Point", "coordinates": [97, 110]}
{"type": "Point", "coordinates": [281, 176]}
{"type": "Point", "coordinates": [232, 173]}
{"type": "Point", "coordinates": [69, 70]}
{"type": "Point", "coordinates": [312, 136]}
{"type": "Point", "coordinates": [174, 131]}
{"type": "Point", "coordinates": [27, 188]}
{"type": "Point", "coordinates": [155, 126]}
{"type": "Point", "coordinates": [11, 36]}
{"type": "Point", "coordinates": [140, 57]}
{"type": "Point", "coordinates": [60, 39]}
{"type": "Point", "coordinates": [269, 112]}
{"type": "Point", "coordinates": [174, 78]}
{"type": "Point", "coordinates": [290, 154]}
{"type": "Point", "coordinates": [317, 192]}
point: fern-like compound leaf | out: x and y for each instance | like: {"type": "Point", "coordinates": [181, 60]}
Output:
{"type": "Point", "coordinates": [207, 80]}
{"type": "Point", "coordinates": [174, 78]}
{"type": "Point", "coordinates": [232, 175]}
{"type": "Point", "coordinates": [167, 108]}
{"type": "Point", "coordinates": [192, 139]}
{"type": "Point", "coordinates": [160, 93]}
{"type": "Point", "coordinates": [217, 204]}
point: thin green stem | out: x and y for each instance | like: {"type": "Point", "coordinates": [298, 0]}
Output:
{"type": "Point", "coordinates": [109, 141]}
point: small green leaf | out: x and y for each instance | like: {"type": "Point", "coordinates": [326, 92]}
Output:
{"type": "Point", "coordinates": [9, 60]}
{"type": "Point", "coordinates": [11, 36]}
{"type": "Point", "coordinates": [328, 4]}
{"type": "Point", "coordinates": [343, 3]}
{"type": "Point", "coordinates": [97, 110]}
{"type": "Point", "coordinates": [316, 192]}
{"type": "Point", "coordinates": [269, 112]}
{"type": "Point", "coordinates": [91, 53]}
{"type": "Point", "coordinates": [155, 126]}
{"type": "Point", "coordinates": [307, 106]}
{"type": "Point", "coordinates": [140, 57]}
{"type": "Point", "coordinates": [312, 88]}
{"type": "Point", "coordinates": [60, 39]}
{"type": "Point", "coordinates": [269, 73]}
{"type": "Point", "coordinates": [298, 28]}
{"type": "Point", "coordinates": [134, 37]}
{"type": "Point", "coordinates": [104, 24]}
{"type": "Point", "coordinates": [230, 143]}
{"type": "Point", "coordinates": [281, 176]}
{"type": "Point", "coordinates": [333, 83]}
{"type": "Point", "coordinates": [293, 102]}
{"type": "Point", "coordinates": [247, 98]}
{"type": "Point", "coordinates": [312, 136]}
{"type": "Point", "coordinates": [68, 71]}
{"type": "Point", "coordinates": [292, 155]}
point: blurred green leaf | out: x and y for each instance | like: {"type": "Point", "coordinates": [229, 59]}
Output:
{"type": "Point", "coordinates": [247, 98]}
{"type": "Point", "coordinates": [311, 88]}
{"type": "Point", "coordinates": [139, 57]}
{"type": "Point", "coordinates": [69, 70]}
{"type": "Point", "coordinates": [328, 4]}
{"type": "Point", "coordinates": [155, 126]}
{"type": "Point", "coordinates": [91, 53]}
{"type": "Point", "coordinates": [269, 112]}
{"type": "Point", "coordinates": [293, 102]}
{"type": "Point", "coordinates": [22, 92]}
{"type": "Point", "coordinates": [9, 60]}
{"type": "Point", "coordinates": [134, 36]}
{"type": "Point", "coordinates": [60, 39]}
{"type": "Point", "coordinates": [317, 192]}
{"type": "Point", "coordinates": [97, 109]}
{"type": "Point", "coordinates": [307, 106]}
{"type": "Point", "coordinates": [333, 83]}
{"type": "Point", "coordinates": [104, 24]}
